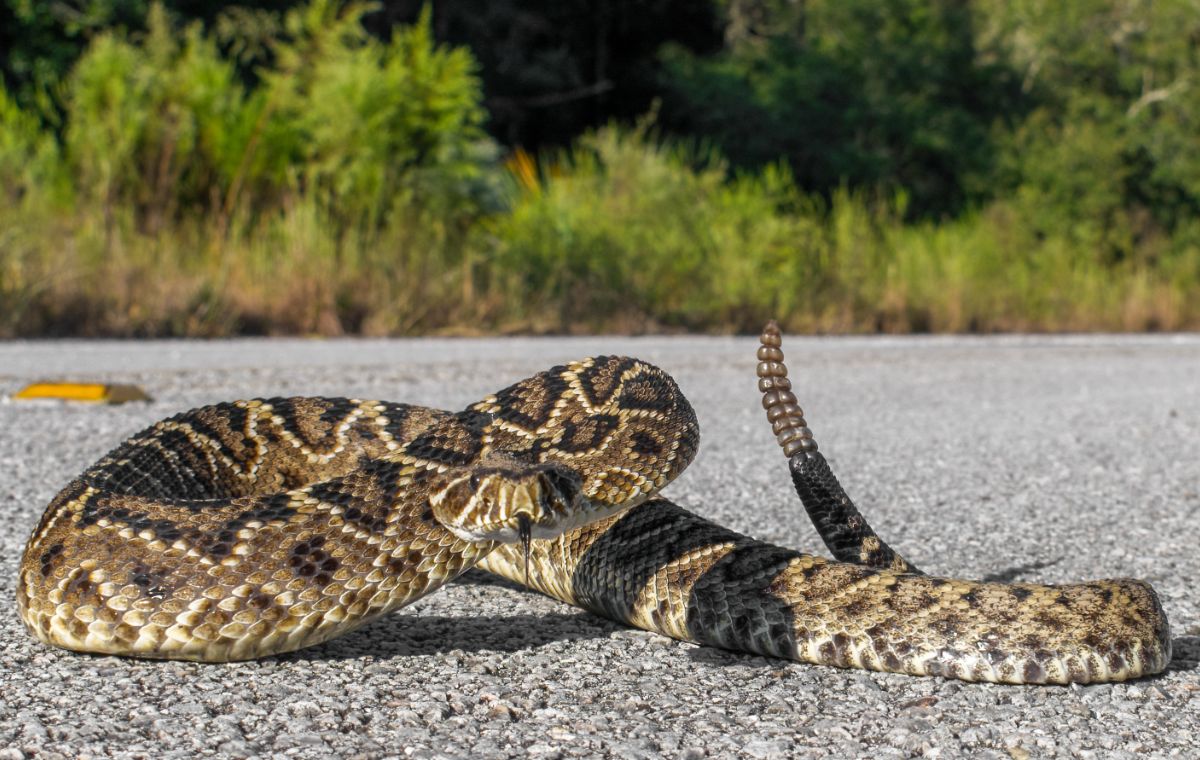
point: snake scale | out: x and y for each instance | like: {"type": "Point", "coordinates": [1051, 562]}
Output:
{"type": "Point", "coordinates": [252, 528]}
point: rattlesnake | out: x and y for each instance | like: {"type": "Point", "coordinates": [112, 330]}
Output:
{"type": "Point", "coordinates": [253, 528]}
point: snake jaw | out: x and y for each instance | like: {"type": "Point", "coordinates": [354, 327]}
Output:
{"type": "Point", "coordinates": [512, 501]}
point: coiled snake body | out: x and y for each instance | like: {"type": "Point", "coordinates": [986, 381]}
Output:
{"type": "Point", "coordinates": [253, 528]}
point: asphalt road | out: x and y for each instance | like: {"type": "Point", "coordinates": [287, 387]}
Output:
{"type": "Point", "coordinates": [1035, 459]}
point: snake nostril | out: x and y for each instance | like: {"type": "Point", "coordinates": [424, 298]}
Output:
{"type": "Point", "coordinates": [560, 488]}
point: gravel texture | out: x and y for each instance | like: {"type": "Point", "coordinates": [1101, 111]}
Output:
{"type": "Point", "coordinates": [1035, 459]}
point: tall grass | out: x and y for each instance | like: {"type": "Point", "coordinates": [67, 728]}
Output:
{"type": "Point", "coordinates": [352, 190]}
{"type": "Point", "coordinates": [626, 233]}
{"type": "Point", "coordinates": [333, 196]}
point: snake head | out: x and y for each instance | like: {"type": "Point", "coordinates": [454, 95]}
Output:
{"type": "Point", "coordinates": [509, 502]}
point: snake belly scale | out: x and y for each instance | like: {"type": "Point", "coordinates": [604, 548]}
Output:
{"type": "Point", "coordinates": [253, 528]}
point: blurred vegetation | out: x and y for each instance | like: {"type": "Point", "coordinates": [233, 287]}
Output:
{"type": "Point", "coordinates": [847, 165]}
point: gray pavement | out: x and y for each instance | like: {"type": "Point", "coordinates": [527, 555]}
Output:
{"type": "Point", "coordinates": [1036, 459]}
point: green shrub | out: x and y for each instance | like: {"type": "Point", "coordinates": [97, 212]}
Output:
{"type": "Point", "coordinates": [29, 157]}
{"type": "Point", "coordinates": [163, 124]}
{"type": "Point", "coordinates": [626, 230]}
{"type": "Point", "coordinates": [351, 189]}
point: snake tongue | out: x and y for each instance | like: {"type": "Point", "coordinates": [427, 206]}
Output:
{"type": "Point", "coordinates": [525, 532]}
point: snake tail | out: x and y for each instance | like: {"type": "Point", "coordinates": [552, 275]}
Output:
{"type": "Point", "coordinates": [841, 526]}
{"type": "Point", "coordinates": [663, 569]}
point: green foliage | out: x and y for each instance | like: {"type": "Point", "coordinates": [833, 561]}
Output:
{"type": "Point", "coordinates": [875, 95]}
{"type": "Point", "coordinates": [373, 124]}
{"type": "Point", "coordinates": [624, 228]}
{"type": "Point", "coordinates": [169, 164]}
{"type": "Point", "coordinates": [850, 166]}
{"type": "Point", "coordinates": [1111, 149]}
{"type": "Point", "coordinates": [551, 68]}
{"type": "Point", "coordinates": [29, 158]}
{"type": "Point", "coordinates": [43, 40]}
{"type": "Point", "coordinates": [163, 124]}
{"type": "Point", "coordinates": [31, 188]}
{"type": "Point", "coordinates": [554, 68]}
{"type": "Point", "coordinates": [626, 231]}
{"type": "Point", "coordinates": [147, 122]}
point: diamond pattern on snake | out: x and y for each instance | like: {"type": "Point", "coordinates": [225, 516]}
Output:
{"type": "Point", "coordinates": [253, 528]}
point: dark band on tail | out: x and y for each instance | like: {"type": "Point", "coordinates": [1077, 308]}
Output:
{"type": "Point", "coordinates": [841, 526]}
